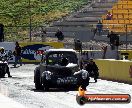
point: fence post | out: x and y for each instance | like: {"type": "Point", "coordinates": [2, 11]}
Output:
{"type": "Point", "coordinates": [30, 22]}
{"type": "Point", "coordinates": [126, 36]}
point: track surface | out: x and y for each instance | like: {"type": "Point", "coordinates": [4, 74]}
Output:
{"type": "Point", "coordinates": [21, 89]}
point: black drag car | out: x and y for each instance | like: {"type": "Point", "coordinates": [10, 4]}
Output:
{"type": "Point", "coordinates": [60, 68]}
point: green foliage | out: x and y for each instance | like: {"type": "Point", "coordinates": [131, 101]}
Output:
{"type": "Point", "coordinates": [17, 12]}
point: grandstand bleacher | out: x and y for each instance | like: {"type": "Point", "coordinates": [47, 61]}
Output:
{"type": "Point", "coordinates": [122, 17]}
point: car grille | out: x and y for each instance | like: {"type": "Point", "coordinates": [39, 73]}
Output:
{"type": "Point", "coordinates": [67, 80]}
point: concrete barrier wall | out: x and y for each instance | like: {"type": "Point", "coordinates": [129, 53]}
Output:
{"type": "Point", "coordinates": [115, 70]}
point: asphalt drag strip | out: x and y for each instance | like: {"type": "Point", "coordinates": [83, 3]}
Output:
{"type": "Point", "coordinates": [20, 88]}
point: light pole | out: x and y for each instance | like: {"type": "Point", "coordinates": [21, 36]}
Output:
{"type": "Point", "coordinates": [30, 22]}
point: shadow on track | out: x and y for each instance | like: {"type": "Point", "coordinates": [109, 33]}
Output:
{"type": "Point", "coordinates": [56, 90]}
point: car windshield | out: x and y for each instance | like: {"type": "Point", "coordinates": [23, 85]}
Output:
{"type": "Point", "coordinates": [56, 57]}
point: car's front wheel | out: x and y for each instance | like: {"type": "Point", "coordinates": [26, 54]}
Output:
{"type": "Point", "coordinates": [83, 78]}
{"type": "Point", "coordinates": [45, 87]}
{"type": "Point", "coordinates": [84, 83]}
{"type": "Point", "coordinates": [37, 79]}
{"type": "Point", "coordinates": [45, 84]}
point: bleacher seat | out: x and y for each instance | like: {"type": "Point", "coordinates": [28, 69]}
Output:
{"type": "Point", "coordinates": [125, 6]}
{"type": "Point", "coordinates": [115, 7]}
{"type": "Point", "coordinates": [129, 2]}
{"type": "Point", "coordinates": [127, 21]}
{"type": "Point", "coordinates": [122, 3]}
{"type": "Point", "coordinates": [115, 16]}
{"type": "Point", "coordinates": [121, 21]}
{"type": "Point", "coordinates": [115, 21]}
{"type": "Point", "coordinates": [126, 16]}
{"type": "Point", "coordinates": [130, 21]}
{"type": "Point", "coordinates": [130, 16]}
{"type": "Point", "coordinates": [123, 11]}
{"type": "Point", "coordinates": [130, 11]}
{"type": "Point", "coordinates": [122, 16]}
{"type": "Point", "coordinates": [129, 6]}
{"type": "Point", "coordinates": [114, 11]}
{"type": "Point", "coordinates": [119, 6]}
{"type": "Point", "coordinates": [129, 27]}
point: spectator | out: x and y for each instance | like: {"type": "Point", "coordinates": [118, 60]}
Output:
{"type": "Point", "coordinates": [109, 16]}
{"type": "Point", "coordinates": [78, 45]}
{"type": "Point", "coordinates": [104, 48]}
{"type": "Point", "coordinates": [84, 55]}
{"type": "Point", "coordinates": [43, 35]}
{"type": "Point", "coordinates": [17, 54]}
{"type": "Point", "coordinates": [94, 31]}
{"type": "Point", "coordinates": [117, 43]}
{"type": "Point", "coordinates": [59, 35]}
{"type": "Point", "coordinates": [114, 40]}
{"type": "Point", "coordinates": [64, 61]}
{"type": "Point", "coordinates": [87, 55]}
{"type": "Point", "coordinates": [4, 55]}
{"type": "Point", "coordinates": [1, 32]}
{"type": "Point", "coordinates": [99, 27]}
{"type": "Point", "coordinates": [81, 63]}
{"type": "Point", "coordinates": [92, 69]}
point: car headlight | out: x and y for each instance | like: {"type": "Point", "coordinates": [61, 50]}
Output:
{"type": "Point", "coordinates": [84, 74]}
{"type": "Point", "coordinates": [47, 74]}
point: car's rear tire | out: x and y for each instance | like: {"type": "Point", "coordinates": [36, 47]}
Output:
{"type": "Point", "coordinates": [37, 80]}
{"type": "Point", "coordinates": [46, 87]}
{"type": "Point", "coordinates": [2, 73]}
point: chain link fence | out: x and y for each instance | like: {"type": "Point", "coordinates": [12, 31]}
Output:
{"type": "Point", "coordinates": [22, 33]}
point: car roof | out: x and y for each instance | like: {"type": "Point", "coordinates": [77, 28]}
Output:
{"type": "Point", "coordinates": [59, 50]}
